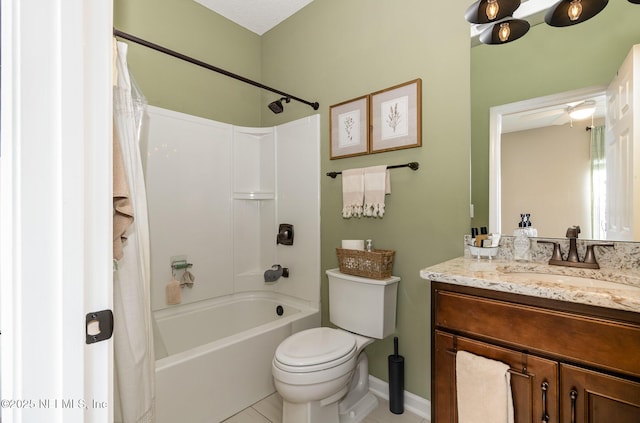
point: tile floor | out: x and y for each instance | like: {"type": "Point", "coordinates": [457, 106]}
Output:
{"type": "Point", "coordinates": [269, 410]}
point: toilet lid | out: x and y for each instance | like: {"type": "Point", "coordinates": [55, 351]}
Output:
{"type": "Point", "coordinates": [312, 347]}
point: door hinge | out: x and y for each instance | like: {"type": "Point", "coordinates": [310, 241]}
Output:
{"type": "Point", "coordinates": [99, 326]}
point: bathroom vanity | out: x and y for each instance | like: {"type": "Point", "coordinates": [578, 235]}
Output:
{"type": "Point", "coordinates": [572, 341]}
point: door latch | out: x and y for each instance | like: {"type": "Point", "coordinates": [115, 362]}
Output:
{"type": "Point", "coordinates": [99, 326]}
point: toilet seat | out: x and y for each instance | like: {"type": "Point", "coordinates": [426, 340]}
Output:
{"type": "Point", "coordinates": [315, 349]}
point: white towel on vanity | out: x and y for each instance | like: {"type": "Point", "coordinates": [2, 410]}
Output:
{"type": "Point", "coordinates": [376, 185]}
{"type": "Point", "coordinates": [483, 390]}
{"type": "Point", "coordinates": [352, 192]}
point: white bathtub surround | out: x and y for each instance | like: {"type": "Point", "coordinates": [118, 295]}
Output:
{"type": "Point", "coordinates": [240, 183]}
{"type": "Point", "coordinates": [213, 371]}
{"type": "Point", "coordinates": [134, 376]}
{"type": "Point", "coordinates": [214, 355]}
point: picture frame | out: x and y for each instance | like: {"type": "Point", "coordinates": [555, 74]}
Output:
{"type": "Point", "coordinates": [349, 122]}
{"type": "Point", "coordinates": [396, 117]}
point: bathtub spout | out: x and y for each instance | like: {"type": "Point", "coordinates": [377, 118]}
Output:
{"type": "Point", "coordinates": [276, 271]}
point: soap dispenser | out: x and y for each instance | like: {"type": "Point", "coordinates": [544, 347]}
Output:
{"type": "Point", "coordinates": [521, 243]}
{"type": "Point", "coordinates": [531, 231]}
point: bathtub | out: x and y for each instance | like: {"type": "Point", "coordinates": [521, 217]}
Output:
{"type": "Point", "coordinates": [213, 357]}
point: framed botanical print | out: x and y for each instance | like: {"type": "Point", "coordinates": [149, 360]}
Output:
{"type": "Point", "coordinates": [350, 128]}
{"type": "Point", "coordinates": [396, 117]}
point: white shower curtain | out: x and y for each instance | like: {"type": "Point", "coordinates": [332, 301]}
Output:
{"type": "Point", "coordinates": [133, 335]}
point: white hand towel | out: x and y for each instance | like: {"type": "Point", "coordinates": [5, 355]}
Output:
{"type": "Point", "coordinates": [483, 390]}
{"type": "Point", "coordinates": [352, 192]}
{"type": "Point", "coordinates": [376, 185]}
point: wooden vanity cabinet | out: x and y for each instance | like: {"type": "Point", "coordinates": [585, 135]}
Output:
{"type": "Point", "coordinates": [528, 373]}
{"type": "Point", "coordinates": [590, 396]}
{"type": "Point", "coordinates": [568, 362]}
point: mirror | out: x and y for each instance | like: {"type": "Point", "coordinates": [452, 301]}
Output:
{"type": "Point", "coordinates": [556, 190]}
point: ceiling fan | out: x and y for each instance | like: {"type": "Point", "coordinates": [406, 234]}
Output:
{"type": "Point", "coordinates": [559, 114]}
{"type": "Point", "coordinates": [555, 115]}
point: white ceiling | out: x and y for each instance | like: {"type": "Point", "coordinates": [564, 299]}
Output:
{"type": "Point", "coordinates": [258, 16]}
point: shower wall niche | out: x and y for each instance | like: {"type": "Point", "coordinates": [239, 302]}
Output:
{"type": "Point", "coordinates": [216, 194]}
{"type": "Point", "coordinates": [254, 204]}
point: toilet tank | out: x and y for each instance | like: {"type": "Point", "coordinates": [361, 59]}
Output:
{"type": "Point", "coordinates": [362, 305]}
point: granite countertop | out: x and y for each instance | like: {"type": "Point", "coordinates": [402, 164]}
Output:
{"type": "Point", "coordinates": [604, 288]}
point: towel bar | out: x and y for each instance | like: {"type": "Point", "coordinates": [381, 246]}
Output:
{"type": "Point", "coordinates": [522, 373]}
{"type": "Point", "coordinates": [410, 165]}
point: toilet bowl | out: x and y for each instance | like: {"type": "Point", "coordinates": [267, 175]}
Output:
{"type": "Point", "coordinates": [322, 373]}
{"type": "Point", "coordinates": [314, 369]}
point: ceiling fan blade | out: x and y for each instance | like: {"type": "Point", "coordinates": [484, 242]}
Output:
{"type": "Point", "coordinates": [562, 120]}
{"type": "Point", "coordinates": [543, 114]}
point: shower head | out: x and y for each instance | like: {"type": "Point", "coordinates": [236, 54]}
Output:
{"type": "Point", "coordinates": [276, 106]}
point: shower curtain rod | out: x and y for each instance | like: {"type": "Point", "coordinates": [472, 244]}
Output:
{"type": "Point", "coordinates": [197, 62]}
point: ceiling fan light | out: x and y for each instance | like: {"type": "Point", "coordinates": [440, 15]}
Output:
{"type": "Point", "coordinates": [583, 110]}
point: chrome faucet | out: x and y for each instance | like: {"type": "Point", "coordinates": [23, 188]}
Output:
{"type": "Point", "coordinates": [572, 257]}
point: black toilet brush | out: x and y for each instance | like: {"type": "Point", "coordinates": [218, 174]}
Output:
{"type": "Point", "coordinates": [396, 380]}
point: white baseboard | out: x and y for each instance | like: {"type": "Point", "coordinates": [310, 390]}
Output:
{"type": "Point", "coordinates": [417, 405]}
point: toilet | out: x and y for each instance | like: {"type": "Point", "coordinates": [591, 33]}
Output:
{"type": "Point", "coordinates": [322, 373]}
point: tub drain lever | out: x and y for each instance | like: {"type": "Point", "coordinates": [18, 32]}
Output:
{"type": "Point", "coordinates": [276, 271]}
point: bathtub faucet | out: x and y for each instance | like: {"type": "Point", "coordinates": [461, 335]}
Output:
{"type": "Point", "coordinates": [276, 271]}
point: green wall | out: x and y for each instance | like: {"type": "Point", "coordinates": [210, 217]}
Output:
{"type": "Point", "coordinates": [545, 61]}
{"type": "Point", "coordinates": [334, 50]}
{"type": "Point", "coordinates": [329, 52]}
{"type": "Point", "coordinates": [191, 29]}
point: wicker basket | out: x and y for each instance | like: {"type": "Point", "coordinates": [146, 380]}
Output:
{"type": "Point", "coordinates": [376, 264]}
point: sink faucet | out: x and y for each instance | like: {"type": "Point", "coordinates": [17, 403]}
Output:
{"type": "Point", "coordinates": [572, 234]}
{"type": "Point", "coordinates": [572, 257]}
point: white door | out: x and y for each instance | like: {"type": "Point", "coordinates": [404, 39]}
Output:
{"type": "Point", "coordinates": [55, 209]}
{"type": "Point", "coordinates": [623, 151]}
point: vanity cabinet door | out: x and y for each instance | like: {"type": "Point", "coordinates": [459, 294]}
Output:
{"type": "Point", "coordinates": [592, 397]}
{"type": "Point", "coordinates": [528, 374]}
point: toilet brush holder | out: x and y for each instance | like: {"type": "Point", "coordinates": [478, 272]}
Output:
{"type": "Point", "coordinates": [396, 380]}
